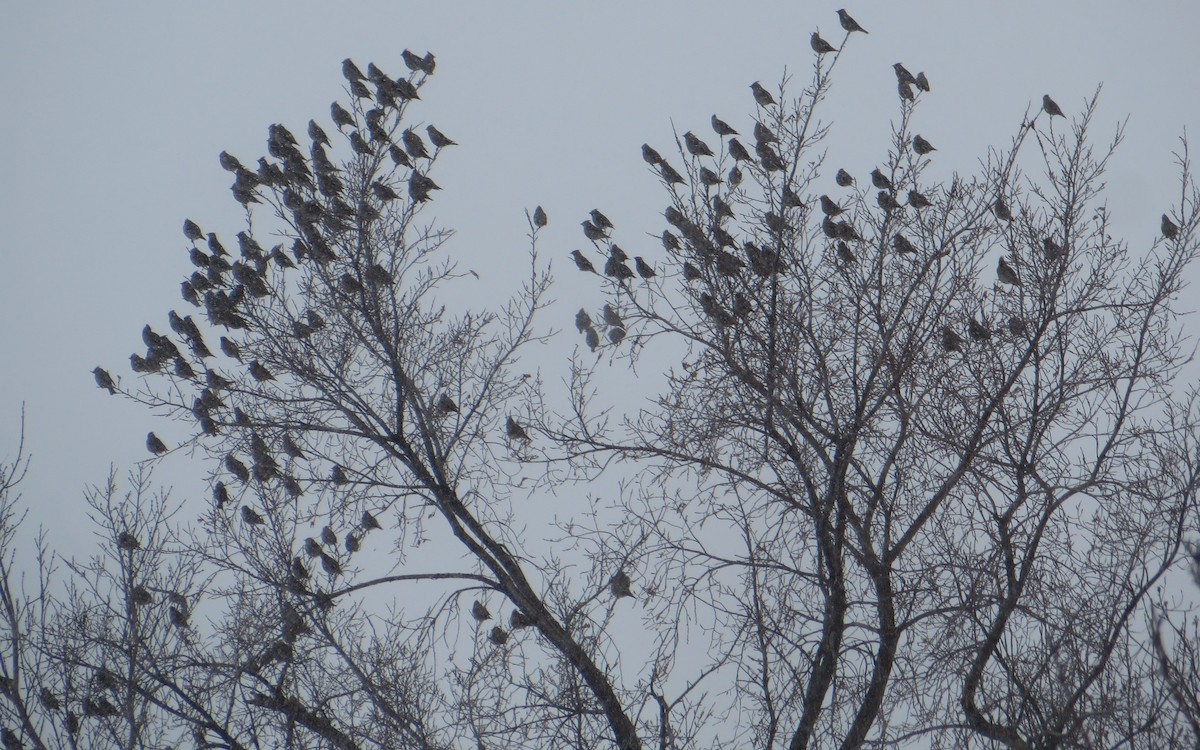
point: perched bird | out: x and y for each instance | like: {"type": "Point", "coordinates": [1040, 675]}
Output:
{"type": "Point", "coordinates": [1169, 230]}
{"type": "Point", "coordinates": [583, 321]}
{"type": "Point", "coordinates": [612, 317]}
{"type": "Point", "coordinates": [819, 45]}
{"type": "Point", "coordinates": [446, 404]}
{"type": "Point", "coordinates": [328, 537]}
{"type": "Point", "coordinates": [49, 700]}
{"type": "Point", "coordinates": [220, 494]}
{"type": "Point", "coordinates": [229, 162]}
{"type": "Point", "coordinates": [1007, 273]}
{"type": "Point", "coordinates": [691, 273]}
{"type": "Point", "coordinates": [331, 565]}
{"type": "Point", "coordinates": [299, 569]}
{"type": "Point", "coordinates": [879, 180]}
{"type": "Point", "coordinates": [848, 23]}
{"type": "Point", "coordinates": [922, 82]}
{"type": "Point", "coordinates": [1016, 326]}
{"type": "Point", "coordinates": [419, 187]}
{"type": "Point", "coordinates": [709, 178]}
{"type": "Point", "coordinates": [902, 74]}
{"type": "Point", "coordinates": [192, 231]}
{"type": "Point", "coordinates": [438, 138]}
{"type": "Point", "coordinates": [829, 207]}
{"type": "Point", "coordinates": [581, 262]}
{"type": "Point", "coordinates": [922, 146]}
{"type": "Point", "coordinates": [600, 219]}
{"type": "Point", "coordinates": [413, 144]}
{"type": "Point", "coordinates": [318, 135]}
{"type": "Point", "coordinates": [480, 611]}
{"type": "Point", "coordinates": [763, 134]}
{"type": "Point", "coordinates": [498, 636]}
{"type": "Point", "coordinates": [519, 619]}
{"type": "Point", "coordinates": [902, 244]}
{"type": "Point", "coordinates": [515, 431]}
{"type": "Point", "coordinates": [338, 476]}
{"type": "Point", "coordinates": [291, 448]}
{"type": "Point", "coordinates": [887, 201]}
{"type": "Point", "coordinates": [237, 468]}
{"type": "Point", "coordinates": [105, 381]}
{"type": "Point", "coordinates": [978, 331]}
{"type": "Point", "coordinates": [383, 191]}
{"type": "Point", "coordinates": [591, 231]}
{"type": "Point", "coordinates": [905, 91]}
{"type": "Point", "coordinates": [738, 151]}
{"type": "Point", "coordinates": [768, 158]}
{"type": "Point", "coordinates": [843, 178]}
{"type": "Point", "coordinates": [154, 445]}
{"type": "Point", "coordinates": [695, 146]}
{"type": "Point", "coordinates": [1051, 249]}
{"type": "Point", "coordinates": [128, 541]}
{"type": "Point", "coordinates": [251, 516]}
{"type": "Point", "coordinates": [951, 341]}
{"type": "Point", "coordinates": [231, 349]}
{"type": "Point", "coordinates": [416, 64]}
{"type": "Point", "coordinates": [651, 156]}
{"type": "Point", "coordinates": [670, 174]}
{"type": "Point", "coordinates": [351, 71]}
{"type": "Point", "coordinates": [721, 128]}
{"type": "Point", "coordinates": [259, 372]}
{"type": "Point", "coordinates": [620, 585]}
{"type": "Point", "coordinates": [178, 617]}
{"type": "Point", "coordinates": [917, 199]}
{"type": "Point", "coordinates": [368, 521]}
{"type": "Point", "coordinates": [341, 117]}
{"type": "Point", "coordinates": [591, 338]}
{"type": "Point", "coordinates": [644, 270]}
{"type": "Point", "coordinates": [761, 95]}
{"type": "Point", "coordinates": [1000, 208]}
{"type": "Point", "coordinates": [844, 252]}
{"type": "Point", "coordinates": [1050, 107]}
{"type": "Point", "coordinates": [312, 547]}
{"type": "Point", "coordinates": [539, 217]}
{"type": "Point", "coordinates": [616, 335]}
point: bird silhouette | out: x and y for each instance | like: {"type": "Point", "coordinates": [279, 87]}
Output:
{"type": "Point", "coordinates": [902, 244]}
{"type": "Point", "coordinates": [695, 146]}
{"type": "Point", "coordinates": [539, 217]}
{"type": "Point", "coordinates": [879, 180]}
{"type": "Point", "coordinates": [651, 156]}
{"type": "Point", "coordinates": [1169, 229]}
{"type": "Point", "coordinates": [220, 494]}
{"type": "Point", "coordinates": [763, 134]}
{"type": "Point", "coordinates": [922, 146]}
{"type": "Point", "coordinates": [351, 71]}
{"type": "Point", "coordinates": [515, 431]}
{"type": "Point", "coordinates": [721, 128]}
{"type": "Point", "coordinates": [237, 468]}
{"type": "Point", "coordinates": [819, 45]}
{"type": "Point", "coordinates": [480, 611]}
{"type": "Point", "coordinates": [951, 341]}
{"type": "Point", "coordinates": [128, 541]}
{"type": "Point", "coordinates": [251, 516]}
{"type": "Point", "coordinates": [709, 178]}
{"type": "Point", "coordinates": [328, 537]}
{"type": "Point", "coordinates": [1050, 107]}
{"type": "Point", "coordinates": [583, 321]}
{"type": "Point", "coordinates": [902, 74]}
{"type": "Point", "coordinates": [612, 317]}
{"type": "Point", "coordinates": [192, 231]}
{"type": "Point", "coordinates": [591, 338]}
{"type": "Point", "coordinates": [259, 372]}
{"type": "Point", "coordinates": [154, 445]}
{"type": "Point", "coordinates": [670, 174]}
{"type": "Point", "coordinates": [413, 144]}
{"type": "Point", "coordinates": [843, 178]}
{"type": "Point", "coordinates": [906, 92]}
{"type": "Point", "coordinates": [446, 404]}
{"type": "Point", "coordinates": [917, 199]}
{"type": "Point", "coordinates": [591, 231]}
{"type": "Point", "coordinates": [848, 23]}
{"type": "Point", "coordinates": [978, 330]}
{"type": "Point", "coordinates": [761, 95]}
{"type": "Point", "coordinates": [829, 208]}
{"type": "Point", "coordinates": [312, 547]}
{"type": "Point", "coordinates": [1051, 249]}
{"type": "Point", "coordinates": [1000, 208]}
{"type": "Point", "coordinates": [922, 82]}
{"type": "Point", "coordinates": [368, 521]}
{"type": "Point", "coordinates": [438, 138]}
{"type": "Point", "coordinates": [1007, 273]}
{"type": "Point", "coordinates": [620, 585]}
{"type": "Point", "coordinates": [644, 270]}
{"type": "Point", "coordinates": [498, 636]}
{"type": "Point", "coordinates": [104, 380]}
{"type": "Point", "coordinates": [738, 151]}
{"type": "Point", "coordinates": [844, 253]}
{"type": "Point", "coordinates": [887, 201]}
{"type": "Point", "coordinates": [600, 219]}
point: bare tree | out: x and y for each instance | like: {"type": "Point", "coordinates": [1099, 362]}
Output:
{"type": "Point", "coordinates": [924, 462]}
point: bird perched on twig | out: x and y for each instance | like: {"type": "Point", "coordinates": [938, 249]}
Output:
{"type": "Point", "coordinates": [917, 199]}
{"type": "Point", "coordinates": [848, 23]}
{"type": "Point", "coordinates": [829, 207]}
{"type": "Point", "coordinates": [819, 45]}
{"type": "Point", "coordinates": [761, 95]}
{"type": "Point", "coordinates": [843, 178]}
{"type": "Point", "coordinates": [620, 584]}
{"type": "Point", "coordinates": [1169, 229]}
{"type": "Point", "coordinates": [515, 431]}
{"type": "Point", "coordinates": [951, 341]}
{"type": "Point", "coordinates": [902, 74]}
{"type": "Point", "coordinates": [721, 128]}
{"type": "Point", "coordinates": [879, 180]}
{"type": "Point", "coordinates": [105, 381]}
{"type": "Point", "coordinates": [438, 138]}
{"type": "Point", "coordinates": [695, 146]}
{"type": "Point", "coordinates": [251, 516]}
{"type": "Point", "coordinates": [154, 445]}
{"type": "Point", "coordinates": [1050, 107]}
{"type": "Point", "coordinates": [1007, 273]}
{"type": "Point", "coordinates": [922, 146]}
{"type": "Point", "coordinates": [539, 217]}
{"type": "Point", "coordinates": [1000, 208]}
{"type": "Point", "coordinates": [480, 611]}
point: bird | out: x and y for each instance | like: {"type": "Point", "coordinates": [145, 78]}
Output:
{"type": "Point", "coordinates": [368, 521]}
{"type": "Point", "coordinates": [1007, 273]}
{"type": "Point", "coordinates": [105, 381]}
{"type": "Point", "coordinates": [879, 180]}
{"type": "Point", "coordinates": [1050, 107]}
{"type": "Point", "coordinates": [259, 372]}
{"type": "Point", "coordinates": [291, 448]}
{"type": "Point", "coordinates": [519, 619]}
{"type": "Point", "coordinates": [905, 91]}
{"type": "Point", "coordinates": [539, 217]}
{"type": "Point", "coordinates": [709, 178]}
{"type": "Point", "coordinates": [848, 23]}
{"type": "Point", "coordinates": [843, 178]}
{"type": "Point", "coordinates": [591, 231]}
{"type": "Point", "coordinates": [887, 201]}
{"type": "Point", "coordinates": [419, 187]}
{"type": "Point", "coordinates": [251, 516]}
{"type": "Point", "coordinates": [154, 445]}
{"type": "Point", "coordinates": [383, 191]}
{"type": "Point", "coordinates": [922, 146]}
{"type": "Point", "coordinates": [231, 349]}
{"type": "Point", "coordinates": [600, 219]}
{"type": "Point", "coordinates": [670, 174]}
{"type": "Point", "coordinates": [312, 547]}
{"type": "Point", "coordinates": [829, 207]}
{"type": "Point", "coordinates": [1051, 249]}
{"type": "Point", "coordinates": [480, 611]}
{"type": "Point", "coordinates": [761, 95]}
{"type": "Point", "coordinates": [951, 341]}
{"type": "Point", "coordinates": [651, 156]}
{"type": "Point", "coordinates": [620, 584]}
{"type": "Point", "coordinates": [591, 338]}
{"type": "Point", "coordinates": [1000, 208]}
{"type": "Point", "coordinates": [583, 321]}
{"type": "Point", "coordinates": [721, 128]}
{"type": "Point", "coordinates": [819, 45]}
{"type": "Point", "coordinates": [978, 331]}
{"type": "Point", "coordinates": [1169, 229]}
{"type": "Point", "coordinates": [318, 135]}
{"type": "Point", "coordinates": [763, 134]}
{"type": "Point", "coordinates": [128, 541]}
{"type": "Point", "coordinates": [438, 138]}
{"type": "Point", "coordinates": [446, 404]}
{"type": "Point", "coordinates": [917, 199]}
{"type": "Point", "coordinates": [338, 475]}
{"type": "Point", "coordinates": [845, 254]}
{"type": "Point", "coordinates": [770, 160]}
{"type": "Point", "coordinates": [229, 162]}
{"type": "Point", "coordinates": [515, 431]}
{"type": "Point", "coordinates": [695, 146]}
{"type": "Point", "coordinates": [220, 494]}
{"type": "Point", "coordinates": [616, 268]}
{"type": "Point", "coordinates": [922, 82]}
{"type": "Point", "coordinates": [902, 74]}
{"type": "Point", "coordinates": [237, 468]}
{"type": "Point", "coordinates": [192, 231]}
{"type": "Point", "coordinates": [498, 636]}
{"type": "Point", "coordinates": [416, 64]}
{"type": "Point", "coordinates": [413, 144]}
{"type": "Point", "coordinates": [902, 244]}
{"type": "Point", "coordinates": [351, 71]}
{"type": "Point", "coordinates": [616, 335]}
{"type": "Point", "coordinates": [331, 565]}
{"type": "Point", "coordinates": [49, 700]}
{"type": "Point", "coordinates": [612, 317]}
{"type": "Point", "coordinates": [341, 117]}
{"type": "Point", "coordinates": [738, 151]}
{"type": "Point", "coordinates": [328, 537]}
{"type": "Point", "coordinates": [1016, 326]}
{"type": "Point", "coordinates": [644, 270]}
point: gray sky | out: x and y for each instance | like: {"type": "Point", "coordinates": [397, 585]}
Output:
{"type": "Point", "coordinates": [115, 113]}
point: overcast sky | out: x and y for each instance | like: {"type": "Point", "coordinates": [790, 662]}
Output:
{"type": "Point", "coordinates": [115, 114]}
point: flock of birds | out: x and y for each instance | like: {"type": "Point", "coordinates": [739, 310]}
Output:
{"type": "Point", "coordinates": [715, 248]}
